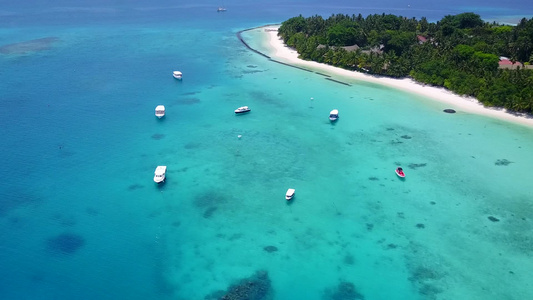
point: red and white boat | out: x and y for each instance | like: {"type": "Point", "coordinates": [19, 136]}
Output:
{"type": "Point", "coordinates": [399, 172]}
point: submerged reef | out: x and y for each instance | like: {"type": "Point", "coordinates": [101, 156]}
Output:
{"type": "Point", "coordinates": [29, 46]}
{"type": "Point", "coordinates": [493, 219]}
{"type": "Point", "coordinates": [208, 213]}
{"type": "Point", "coordinates": [427, 281]}
{"type": "Point", "coordinates": [158, 136]}
{"type": "Point", "coordinates": [344, 291]}
{"type": "Point", "coordinates": [503, 162]}
{"type": "Point", "coordinates": [255, 287]}
{"type": "Point", "coordinates": [270, 249]}
{"type": "Point", "coordinates": [65, 243]}
{"type": "Point", "coordinates": [14, 199]}
{"type": "Point", "coordinates": [414, 166]}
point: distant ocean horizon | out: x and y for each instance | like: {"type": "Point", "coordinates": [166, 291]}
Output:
{"type": "Point", "coordinates": [81, 217]}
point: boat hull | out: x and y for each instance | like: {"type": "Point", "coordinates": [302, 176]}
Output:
{"type": "Point", "coordinates": [334, 115]}
{"type": "Point", "coordinates": [290, 194]}
{"type": "Point", "coordinates": [401, 175]}
{"type": "Point", "coordinates": [158, 181]}
{"type": "Point", "coordinates": [242, 110]}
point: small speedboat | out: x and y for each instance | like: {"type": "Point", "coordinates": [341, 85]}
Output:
{"type": "Point", "coordinates": [399, 172]}
{"type": "Point", "coordinates": [289, 194]}
{"type": "Point", "coordinates": [221, 9]}
{"type": "Point", "coordinates": [177, 74]}
{"type": "Point", "coordinates": [334, 115]}
{"type": "Point", "coordinates": [160, 174]}
{"type": "Point", "coordinates": [160, 111]}
{"type": "Point", "coordinates": [242, 109]}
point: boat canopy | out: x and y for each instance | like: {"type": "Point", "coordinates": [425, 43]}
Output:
{"type": "Point", "coordinates": [160, 170]}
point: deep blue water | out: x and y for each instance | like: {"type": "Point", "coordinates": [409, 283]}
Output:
{"type": "Point", "coordinates": [81, 218]}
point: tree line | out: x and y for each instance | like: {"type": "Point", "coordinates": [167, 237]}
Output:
{"type": "Point", "coordinates": [459, 52]}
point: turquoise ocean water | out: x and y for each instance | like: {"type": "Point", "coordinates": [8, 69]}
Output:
{"type": "Point", "coordinates": [81, 218]}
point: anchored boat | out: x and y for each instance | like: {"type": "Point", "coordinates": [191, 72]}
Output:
{"type": "Point", "coordinates": [160, 111]}
{"type": "Point", "coordinates": [334, 115]}
{"type": "Point", "coordinates": [242, 109]}
{"type": "Point", "coordinates": [289, 194]}
{"type": "Point", "coordinates": [160, 174]}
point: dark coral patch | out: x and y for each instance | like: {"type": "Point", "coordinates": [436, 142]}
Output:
{"type": "Point", "coordinates": [158, 136]}
{"type": "Point", "coordinates": [65, 243]}
{"type": "Point", "coordinates": [429, 291]}
{"type": "Point", "coordinates": [392, 246]}
{"type": "Point", "coordinates": [29, 46]}
{"type": "Point", "coordinates": [270, 249]}
{"type": "Point", "coordinates": [493, 219]}
{"type": "Point", "coordinates": [135, 186]}
{"type": "Point", "coordinates": [15, 198]}
{"type": "Point", "coordinates": [188, 101]}
{"type": "Point", "coordinates": [344, 291]}
{"type": "Point", "coordinates": [349, 260]}
{"type": "Point", "coordinates": [256, 287]}
{"type": "Point", "coordinates": [208, 213]}
{"type": "Point", "coordinates": [209, 198]}
{"type": "Point", "coordinates": [422, 274]}
{"type": "Point", "coordinates": [414, 166]}
{"type": "Point", "coordinates": [503, 162]}
{"type": "Point", "coordinates": [406, 137]}
{"type": "Point", "coordinates": [192, 145]}
{"type": "Point", "coordinates": [92, 211]}
{"type": "Point", "coordinates": [420, 226]}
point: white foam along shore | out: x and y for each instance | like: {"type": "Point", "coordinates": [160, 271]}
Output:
{"type": "Point", "coordinates": [285, 54]}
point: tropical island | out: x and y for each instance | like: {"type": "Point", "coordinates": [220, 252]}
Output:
{"type": "Point", "coordinates": [468, 56]}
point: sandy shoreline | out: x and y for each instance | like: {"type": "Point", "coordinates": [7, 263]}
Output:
{"type": "Point", "coordinates": [465, 104]}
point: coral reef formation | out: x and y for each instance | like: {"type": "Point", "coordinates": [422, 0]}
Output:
{"type": "Point", "coordinates": [65, 243]}
{"type": "Point", "coordinates": [255, 287]}
{"type": "Point", "coordinates": [344, 291]}
{"type": "Point", "coordinates": [270, 249]}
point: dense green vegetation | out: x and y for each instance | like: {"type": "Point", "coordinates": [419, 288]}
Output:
{"type": "Point", "coordinates": [460, 52]}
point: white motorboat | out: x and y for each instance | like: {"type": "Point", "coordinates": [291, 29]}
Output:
{"type": "Point", "coordinates": [242, 109]}
{"type": "Point", "coordinates": [160, 111]}
{"type": "Point", "coordinates": [159, 174]}
{"type": "Point", "coordinates": [333, 115]}
{"type": "Point", "coordinates": [177, 74]}
{"type": "Point", "coordinates": [221, 9]}
{"type": "Point", "coordinates": [289, 194]}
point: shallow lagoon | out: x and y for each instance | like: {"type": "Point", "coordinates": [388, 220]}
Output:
{"type": "Point", "coordinates": [82, 218]}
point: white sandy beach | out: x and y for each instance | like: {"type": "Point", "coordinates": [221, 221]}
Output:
{"type": "Point", "coordinates": [465, 104]}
